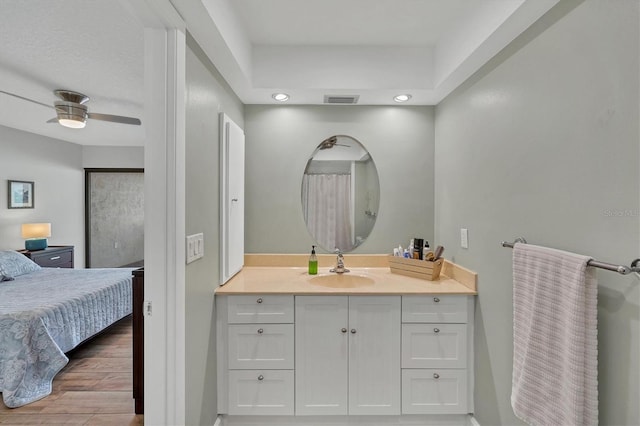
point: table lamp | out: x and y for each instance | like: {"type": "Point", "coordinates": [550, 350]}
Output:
{"type": "Point", "coordinates": [36, 235]}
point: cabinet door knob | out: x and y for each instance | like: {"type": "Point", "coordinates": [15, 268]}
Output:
{"type": "Point", "coordinates": [344, 330]}
{"type": "Point", "coordinates": [259, 300]}
{"type": "Point", "coordinates": [353, 331]}
{"type": "Point", "coordinates": [436, 300]}
{"type": "Point", "coordinates": [55, 258]}
{"type": "Point", "coordinates": [436, 376]}
{"type": "Point", "coordinates": [436, 330]}
{"type": "Point", "coordinates": [261, 377]}
{"type": "Point", "coordinates": [260, 331]}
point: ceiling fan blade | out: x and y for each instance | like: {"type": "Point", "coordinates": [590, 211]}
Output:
{"type": "Point", "coordinates": [114, 118]}
{"type": "Point", "coordinates": [26, 99]}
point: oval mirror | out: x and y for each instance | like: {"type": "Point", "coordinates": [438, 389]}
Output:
{"type": "Point", "coordinates": [340, 194]}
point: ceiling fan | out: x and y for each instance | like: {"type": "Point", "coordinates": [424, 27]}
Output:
{"type": "Point", "coordinates": [72, 112]}
{"type": "Point", "coordinates": [331, 142]}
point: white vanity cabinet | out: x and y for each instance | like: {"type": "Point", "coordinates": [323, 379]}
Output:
{"type": "Point", "coordinates": [347, 355]}
{"type": "Point", "coordinates": [259, 355]}
{"type": "Point", "coordinates": [400, 356]}
{"type": "Point", "coordinates": [437, 354]}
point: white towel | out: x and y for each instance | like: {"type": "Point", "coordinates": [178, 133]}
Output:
{"type": "Point", "coordinates": [555, 338]}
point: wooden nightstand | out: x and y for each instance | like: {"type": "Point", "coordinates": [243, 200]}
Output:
{"type": "Point", "coordinates": [52, 256]}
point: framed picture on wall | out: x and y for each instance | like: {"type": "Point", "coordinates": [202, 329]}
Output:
{"type": "Point", "coordinates": [21, 194]}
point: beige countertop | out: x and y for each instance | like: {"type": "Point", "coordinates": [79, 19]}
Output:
{"type": "Point", "coordinates": [361, 280]}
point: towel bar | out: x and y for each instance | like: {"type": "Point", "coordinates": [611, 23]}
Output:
{"type": "Point", "coordinates": [621, 269]}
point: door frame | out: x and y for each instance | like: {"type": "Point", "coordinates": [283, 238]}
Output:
{"type": "Point", "coordinates": [164, 227]}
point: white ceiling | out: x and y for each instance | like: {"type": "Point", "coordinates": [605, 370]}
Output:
{"type": "Point", "coordinates": [308, 49]}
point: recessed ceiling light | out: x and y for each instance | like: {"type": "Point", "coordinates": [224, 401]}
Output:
{"type": "Point", "coordinates": [280, 97]}
{"type": "Point", "coordinates": [401, 98]}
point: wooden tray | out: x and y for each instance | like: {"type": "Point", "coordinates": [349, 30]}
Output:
{"type": "Point", "coordinates": [423, 269]}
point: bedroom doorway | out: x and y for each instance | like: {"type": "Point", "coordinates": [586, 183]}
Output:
{"type": "Point", "coordinates": [114, 218]}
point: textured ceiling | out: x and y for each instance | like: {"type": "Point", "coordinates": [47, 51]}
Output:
{"type": "Point", "coordinates": [93, 47]}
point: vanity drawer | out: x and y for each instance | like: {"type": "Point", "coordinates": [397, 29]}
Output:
{"type": "Point", "coordinates": [434, 345]}
{"type": "Point", "coordinates": [434, 391]}
{"type": "Point", "coordinates": [260, 309]}
{"type": "Point", "coordinates": [258, 346]}
{"type": "Point", "coordinates": [261, 392]}
{"type": "Point", "coordinates": [434, 309]}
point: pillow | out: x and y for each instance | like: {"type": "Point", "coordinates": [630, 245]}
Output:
{"type": "Point", "coordinates": [14, 264]}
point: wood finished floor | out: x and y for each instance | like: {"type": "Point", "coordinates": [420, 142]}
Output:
{"type": "Point", "coordinates": [94, 388]}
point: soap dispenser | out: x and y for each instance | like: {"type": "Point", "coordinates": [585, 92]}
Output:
{"type": "Point", "coordinates": [313, 262]}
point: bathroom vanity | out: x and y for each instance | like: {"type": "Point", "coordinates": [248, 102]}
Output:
{"type": "Point", "coordinates": [368, 343]}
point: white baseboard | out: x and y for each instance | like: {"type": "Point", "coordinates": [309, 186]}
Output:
{"type": "Point", "coordinates": [406, 420]}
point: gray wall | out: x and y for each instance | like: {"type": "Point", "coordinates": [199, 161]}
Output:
{"type": "Point", "coordinates": [130, 157]}
{"type": "Point", "coordinates": [544, 143]}
{"type": "Point", "coordinates": [280, 140]}
{"type": "Point", "coordinates": [55, 167]}
{"type": "Point", "coordinates": [206, 96]}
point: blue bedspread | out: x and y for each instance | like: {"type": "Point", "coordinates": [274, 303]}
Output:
{"type": "Point", "coordinates": [48, 312]}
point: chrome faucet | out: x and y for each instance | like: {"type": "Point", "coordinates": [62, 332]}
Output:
{"type": "Point", "coordinates": [339, 269]}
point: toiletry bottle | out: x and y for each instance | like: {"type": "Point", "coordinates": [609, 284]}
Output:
{"type": "Point", "coordinates": [313, 262]}
{"type": "Point", "coordinates": [418, 243]}
{"type": "Point", "coordinates": [425, 250]}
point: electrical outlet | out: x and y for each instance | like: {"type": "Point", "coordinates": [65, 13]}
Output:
{"type": "Point", "coordinates": [464, 238]}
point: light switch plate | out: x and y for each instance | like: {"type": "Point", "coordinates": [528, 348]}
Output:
{"type": "Point", "coordinates": [464, 238]}
{"type": "Point", "coordinates": [195, 247]}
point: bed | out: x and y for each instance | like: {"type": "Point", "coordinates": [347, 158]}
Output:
{"type": "Point", "coordinates": [46, 312]}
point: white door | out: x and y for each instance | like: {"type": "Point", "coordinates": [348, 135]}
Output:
{"type": "Point", "coordinates": [374, 355]}
{"type": "Point", "coordinates": [321, 355]}
{"type": "Point", "coordinates": [232, 198]}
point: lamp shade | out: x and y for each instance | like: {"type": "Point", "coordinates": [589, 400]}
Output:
{"type": "Point", "coordinates": [36, 230]}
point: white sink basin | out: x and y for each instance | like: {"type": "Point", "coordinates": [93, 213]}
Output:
{"type": "Point", "coordinates": [346, 280]}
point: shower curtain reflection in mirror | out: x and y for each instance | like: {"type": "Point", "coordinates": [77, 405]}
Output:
{"type": "Point", "coordinates": [326, 200]}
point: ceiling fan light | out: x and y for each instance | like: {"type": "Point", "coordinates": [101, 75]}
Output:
{"type": "Point", "coordinates": [72, 122]}
{"type": "Point", "coordinates": [71, 114]}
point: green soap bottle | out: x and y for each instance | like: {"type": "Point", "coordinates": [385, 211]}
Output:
{"type": "Point", "coordinates": [313, 262]}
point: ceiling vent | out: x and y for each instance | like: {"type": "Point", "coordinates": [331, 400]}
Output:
{"type": "Point", "coordinates": [341, 99]}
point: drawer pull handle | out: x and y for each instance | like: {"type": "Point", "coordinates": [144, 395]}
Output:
{"type": "Point", "coordinates": [260, 331]}
{"type": "Point", "coordinates": [261, 377]}
{"type": "Point", "coordinates": [436, 300]}
{"type": "Point", "coordinates": [436, 376]}
{"type": "Point", "coordinates": [55, 258]}
{"type": "Point", "coordinates": [353, 331]}
{"type": "Point", "coordinates": [344, 330]}
{"type": "Point", "coordinates": [259, 300]}
{"type": "Point", "coordinates": [436, 330]}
